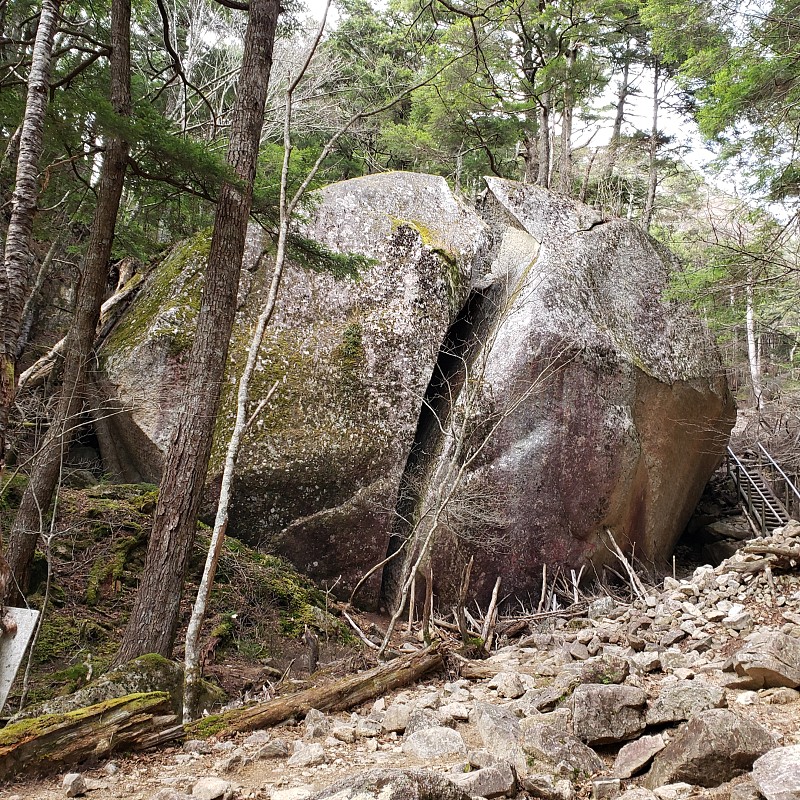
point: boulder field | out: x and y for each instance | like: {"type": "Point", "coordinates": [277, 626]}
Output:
{"type": "Point", "coordinates": [689, 692]}
{"type": "Point", "coordinates": [512, 382]}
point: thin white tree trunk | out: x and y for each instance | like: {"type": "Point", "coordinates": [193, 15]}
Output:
{"type": "Point", "coordinates": [752, 346]}
{"type": "Point", "coordinates": [192, 665]}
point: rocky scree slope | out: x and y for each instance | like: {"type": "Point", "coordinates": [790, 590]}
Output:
{"type": "Point", "coordinates": [690, 691]}
{"type": "Point", "coordinates": [515, 374]}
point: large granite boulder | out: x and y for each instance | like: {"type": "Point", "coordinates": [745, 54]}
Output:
{"type": "Point", "coordinates": [713, 747]}
{"type": "Point", "coordinates": [351, 356]}
{"type": "Point", "coordinates": [593, 403]}
{"type": "Point", "coordinates": [518, 384]}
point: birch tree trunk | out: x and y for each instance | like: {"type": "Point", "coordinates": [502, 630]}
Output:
{"type": "Point", "coordinates": [652, 181]}
{"type": "Point", "coordinates": [753, 359]}
{"type": "Point", "coordinates": [89, 299]}
{"type": "Point", "coordinates": [15, 275]}
{"type": "Point", "coordinates": [156, 611]}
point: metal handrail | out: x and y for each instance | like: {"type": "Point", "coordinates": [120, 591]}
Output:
{"type": "Point", "coordinates": [787, 480]}
{"type": "Point", "coordinates": [742, 469]}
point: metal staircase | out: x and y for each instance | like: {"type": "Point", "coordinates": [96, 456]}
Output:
{"type": "Point", "coordinates": [768, 494]}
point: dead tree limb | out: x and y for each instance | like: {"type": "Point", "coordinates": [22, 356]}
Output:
{"type": "Point", "coordinates": [461, 617]}
{"type": "Point", "coordinates": [339, 696]}
{"type": "Point", "coordinates": [487, 633]}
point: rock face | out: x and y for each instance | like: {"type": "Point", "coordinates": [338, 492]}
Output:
{"type": "Point", "coordinates": [584, 400]}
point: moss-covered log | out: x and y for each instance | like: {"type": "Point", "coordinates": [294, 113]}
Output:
{"type": "Point", "coordinates": [338, 696]}
{"type": "Point", "coordinates": [57, 740]}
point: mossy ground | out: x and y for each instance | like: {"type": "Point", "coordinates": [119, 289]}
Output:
{"type": "Point", "coordinates": [259, 609]}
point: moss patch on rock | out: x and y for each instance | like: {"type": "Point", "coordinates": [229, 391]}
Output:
{"type": "Point", "coordinates": [168, 302]}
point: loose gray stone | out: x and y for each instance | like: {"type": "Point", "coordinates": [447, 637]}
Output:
{"type": "Point", "coordinates": [605, 788]}
{"type": "Point", "coordinates": [394, 784]}
{"type": "Point", "coordinates": [344, 733]}
{"type": "Point", "coordinates": [197, 746]}
{"type": "Point", "coordinates": [368, 728]}
{"type": "Point", "coordinates": [256, 739]}
{"type": "Point", "coordinates": [745, 790]}
{"type": "Point", "coordinates": [713, 747]}
{"type": "Point", "coordinates": [509, 685]}
{"type": "Point", "coordinates": [74, 784]}
{"type": "Point", "coordinates": [316, 725]}
{"type": "Point", "coordinates": [495, 781]}
{"type": "Point", "coordinates": [674, 791]}
{"type": "Point", "coordinates": [607, 714]}
{"type": "Point", "coordinates": [545, 787]}
{"type": "Point", "coordinates": [212, 789]}
{"type": "Point", "coordinates": [555, 746]}
{"type": "Point", "coordinates": [237, 758]}
{"type": "Point", "coordinates": [296, 793]}
{"type": "Point", "coordinates": [776, 774]}
{"type": "Point", "coordinates": [420, 719]}
{"type": "Point", "coordinates": [308, 756]}
{"type": "Point", "coordinates": [434, 743]}
{"type": "Point", "coordinates": [638, 793]}
{"type": "Point", "coordinates": [396, 718]}
{"type": "Point", "coordinates": [170, 794]}
{"type": "Point", "coordinates": [453, 712]}
{"type": "Point", "coordinates": [682, 700]}
{"type": "Point", "coordinates": [500, 733]}
{"type": "Point", "coordinates": [770, 659]}
{"type": "Point", "coordinates": [277, 748]}
{"type": "Point", "coordinates": [636, 755]}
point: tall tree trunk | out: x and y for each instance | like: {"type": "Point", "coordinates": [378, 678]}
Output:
{"type": "Point", "coordinates": [18, 257]}
{"type": "Point", "coordinates": [565, 168]}
{"type": "Point", "coordinates": [619, 118]}
{"type": "Point", "coordinates": [155, 616]}
{"type": "Point", "coordinates": [753, 358]}
{"type": "Point", "coordinates": [80, 338]}
{"type": "Point", "coordinates": [543, 176]}
{"type": "Point", "coordinates": [652, 182]}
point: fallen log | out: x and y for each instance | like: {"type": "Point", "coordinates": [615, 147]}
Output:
{"type": "Point", "coordinates": [477, 670]}
{"type": "Point", "coordinates": [750, 567]}
{"type": "Point", "coordinates": [338, 696]}
{"type": "Point", "coordinates": [60, 740]}
{"type": "Point", "coordinates": [782, 551]}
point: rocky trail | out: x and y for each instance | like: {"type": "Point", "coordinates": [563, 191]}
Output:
{"type": "Point", "coordinates": [689, 691]}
